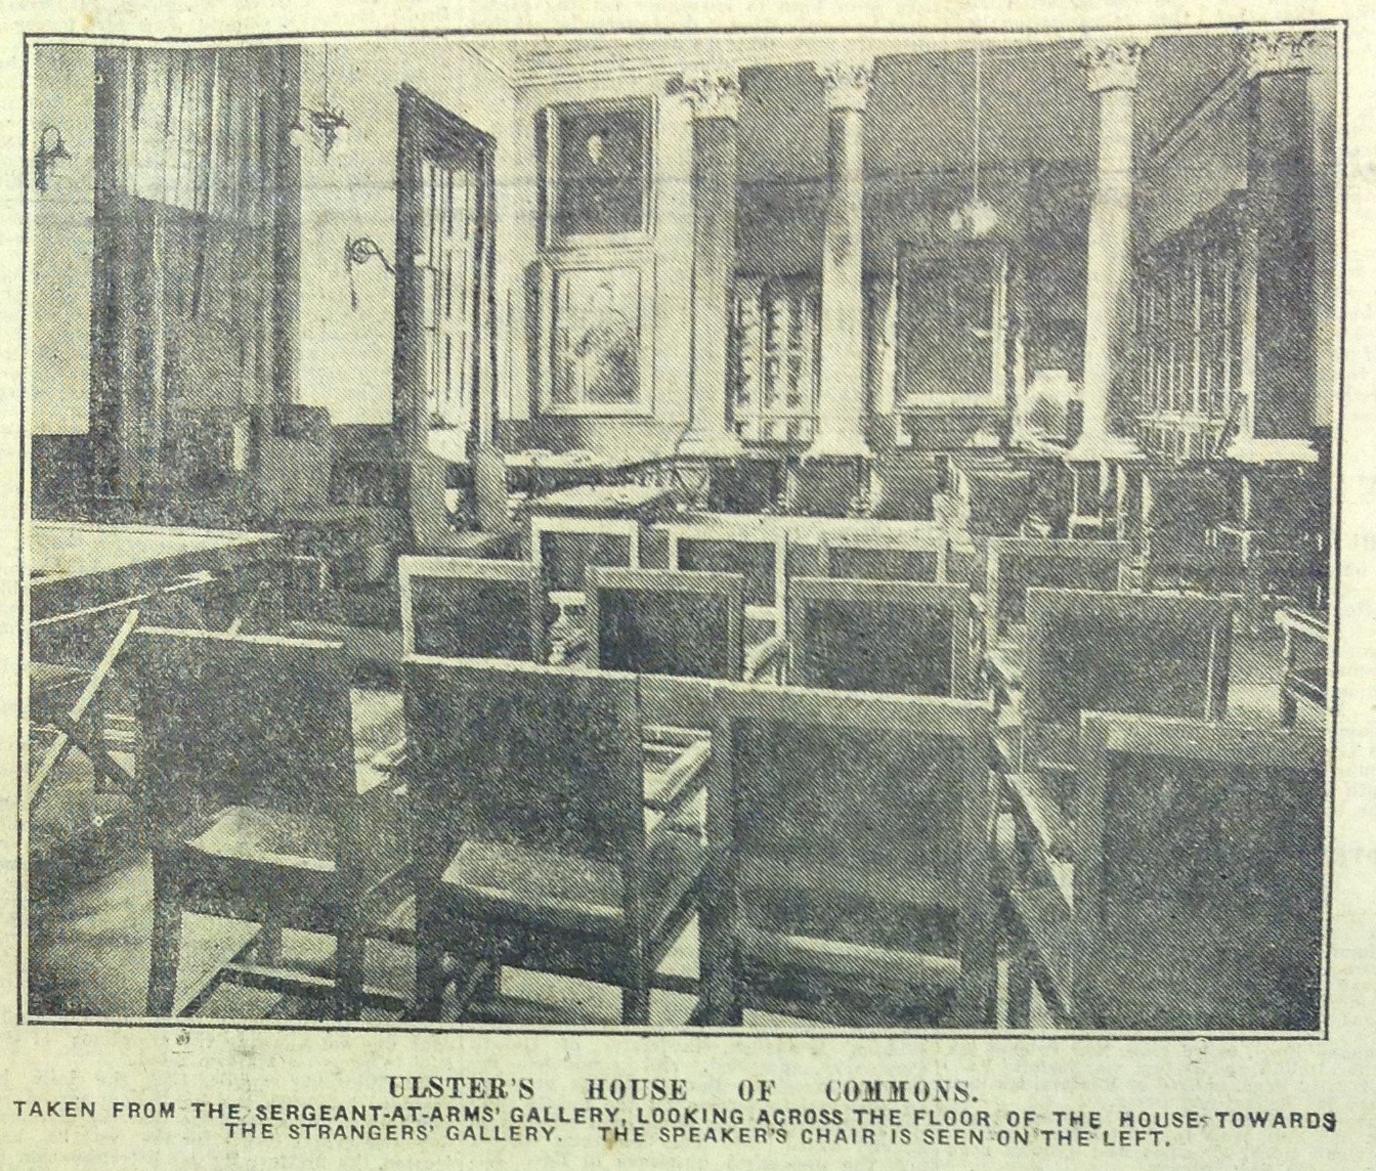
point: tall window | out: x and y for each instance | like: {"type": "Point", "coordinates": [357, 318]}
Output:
{"type": "Point", "coordinates": [1189, 336]}
{"type": "Point", "coordinates": [776, 356]}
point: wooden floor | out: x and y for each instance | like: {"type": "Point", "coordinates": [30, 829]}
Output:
{"type": "Point", "coordinates": [90, 918]}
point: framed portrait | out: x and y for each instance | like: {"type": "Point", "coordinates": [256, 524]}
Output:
{"type": "Point", "coordinates": [598, 171]}
{"type": "Point", "coordinates": [599, 344]}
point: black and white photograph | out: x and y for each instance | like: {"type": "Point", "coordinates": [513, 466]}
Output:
{"type": "Point", "coordinates": [704, 533]}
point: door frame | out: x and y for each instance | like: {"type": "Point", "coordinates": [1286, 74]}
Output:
{"type": "Point", "coordinates": [420, 119]}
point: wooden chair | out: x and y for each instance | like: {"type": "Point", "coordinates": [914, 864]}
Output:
{"type": "Point", "coordinates": [472, 607]}
{"type": "Point", "coordinates": [256, 807]}
{"type": "Point", "coordinates": [663, 622]}
{"type": "Point", "coordinates": [849, 874]}
{"type": "Point", "coordinates": [756, 550]}
{"type": "Point", "coordinates": [1014, 564]}
{"type": "Point", "coordinates": [565, 548]}
{"type": "Point", "coordinates": [1087, 650]}
{"type": "Point", "coordinates": [1305, 657]}
{"type": "Point", "coordinates": [906, 637]}
{"type": "Point", "coordinates": [532, 849]}
{"type": "Point", "coordinates": [1182, 511]}
{"type": "Point", "coordinates": [1196, 899]}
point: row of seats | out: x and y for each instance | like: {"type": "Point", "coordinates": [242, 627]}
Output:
{"type": "Point", "coordinates": [851, 862]}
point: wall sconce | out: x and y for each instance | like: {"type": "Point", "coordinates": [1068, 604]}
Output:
{"type": "Point", "coordinates": [325, 125]}
{"type": "Point", "coordinates": [46, 157]}
{"type": "Point", "coordinates": [360, 251]}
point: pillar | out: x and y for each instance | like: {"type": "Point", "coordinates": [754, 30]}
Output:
{"type": "Point", "coordinates": [714, 95]}
{"type": "Point", "coordinates": [1279, 335]}
{"type": "Point", "coordinates": [1111, 69]}
{"type": "Point", "coordinates": [840, 407]}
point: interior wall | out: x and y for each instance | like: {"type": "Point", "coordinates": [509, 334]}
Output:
{"type": "Point", "coordinates": [1210, 161]}
{"type": "Point", "coordinates": [346, 354]}
{"type": "Point", "coordinates": [62, 94]}
{"type": "Point", "coordinates": [670, 318]}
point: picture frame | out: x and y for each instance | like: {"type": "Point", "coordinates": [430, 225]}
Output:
{"type": "Point", "coordinates": [597, 334]}
{"type": "Point", "coordinates": [598, 172]}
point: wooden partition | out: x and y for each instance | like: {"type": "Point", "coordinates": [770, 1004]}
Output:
{"type": "Point", "coordinates": [910, 638]}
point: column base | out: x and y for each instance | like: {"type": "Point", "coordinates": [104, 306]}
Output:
{"type": "Point", "coordinates": [837, 446]}
{"type": "Point", "coordinates": [711, 445]}
{"type": "Point", "coordinates": [1089, 448]}
{"type": "Point", "coordinates": [1253, 450]}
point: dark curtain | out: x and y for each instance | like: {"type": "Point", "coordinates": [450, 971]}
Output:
{"type": "Point", "coordinates": [189, 188]}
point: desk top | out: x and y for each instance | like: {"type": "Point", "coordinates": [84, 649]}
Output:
{"type": "Point", "coordinates": [76, 563]}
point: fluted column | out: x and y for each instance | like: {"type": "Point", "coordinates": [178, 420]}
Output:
{"type": "Point", "coordinates": [1279, 319]}
{"type": "Point", "coordinates": [1111, 69]}
{"type": "Point", "coordinates": [714, 95]}
{"type": "Point", "coordinates": [840, 407]}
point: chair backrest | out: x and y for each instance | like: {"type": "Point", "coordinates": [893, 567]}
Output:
{"type": "Point", "coordinates": [472, 607]}
{"type": "Point", "coordinates": [566, 547]}
{"type": "Point", "coordinates": [906, 637]}
{"type": "Point", "coordinates": [240, 720]}
{"type": "Point", "coordinates": [1149, 654]}
{"type": "Point", "coordinates": [885, 551]}
{"type": "Point", "coordinates": [1199, 874]}
{"type": "Point", "coordinates": [1183, 506]}
{"type": "Point", "coordinates": [547, 758]}
{"type": "Point", "coordinates": [1014, 564]}
{"type": "Point", "coordinates": [824, 797]}
{"type": "Point", "coordinates": [664, 622]}
{"type": "Point", "coordinates": [757, 552]}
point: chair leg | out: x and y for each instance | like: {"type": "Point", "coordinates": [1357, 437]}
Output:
{"type": "Point", "coordinates": [1019, 990]}
{"type": "Point", "coordinates": [490, 986]}
{"type": "Point", "coordinates": [269, 949]}
{"type": "Point", "coordinates": [635, 1000]}
{"type": "Point", "coordinates": [430, 978]}
{"type": "Point", "coordinates": [349, 958]}
{"type": "Point", "coordinates": [167, 940]}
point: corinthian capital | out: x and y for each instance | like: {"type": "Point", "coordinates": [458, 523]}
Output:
{"type": "Point", "coordinates": [1280, 50]}
{"type": "Point", "coordinates": [713, 92]}
{"type": "Point", "coordinates": [847, 83]}
{"type": "Point", "coordinates": [1112, 64]}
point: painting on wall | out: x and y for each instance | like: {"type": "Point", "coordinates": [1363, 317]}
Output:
{"type": "Point", "coordinates": [598, 165]}
{"type": "Point", "coordinates": [597, 339]}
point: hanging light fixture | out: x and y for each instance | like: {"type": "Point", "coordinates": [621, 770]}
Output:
{"type": "Point", "coordinates": [325, 125]}
{"type": "Point", "coordinates": [976, 218]}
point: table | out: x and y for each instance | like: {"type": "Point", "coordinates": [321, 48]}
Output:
{"type": "Point", "coordinates": [77, 565]}
{"type": "Point", "coordinates": [89, 586]}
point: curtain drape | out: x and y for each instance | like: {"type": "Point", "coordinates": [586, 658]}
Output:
{"type": "Point", "coordinates": [188, 187]}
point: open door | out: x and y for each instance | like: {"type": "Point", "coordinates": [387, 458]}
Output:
{"type": "Point", "coordinates": [445, 367]}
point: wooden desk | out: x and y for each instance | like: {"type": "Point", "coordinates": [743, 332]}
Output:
{"type": "Point", "coordinates": [86, 581]}
{"type": "Point", "coordinates": [641, 502]}
{"type": "Point", "coordinates": [75, 565]}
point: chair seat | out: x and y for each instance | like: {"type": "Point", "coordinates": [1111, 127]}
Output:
{"type": "Point", "coordinates": [847, 962]}
{"type": "Point", "coordinates": [898, 886]}
{"type": "Point", "coordinates": [267, 836]}
{"type": "Point", "coordinates": [488, 881]}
